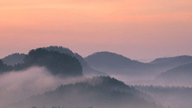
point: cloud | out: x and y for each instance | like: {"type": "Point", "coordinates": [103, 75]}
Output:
{"type": "Point", "coordinates": [16, 86]}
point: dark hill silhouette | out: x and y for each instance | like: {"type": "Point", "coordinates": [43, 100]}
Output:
{"type": "Point", "coordinates": [57, 63]}
{"type": "Point", "coordinates": [108, 59]}
{"type": "Point", "coordinates": [14, 59]}
{"type": "Point", "coordinates": [18, 60]}
{"type": "Point", "coordinates": [87, 70]}
{"type": "Point", "coordinates": [60, 49]}
{"type": "Point", "coordinates": [98, 92]}
{"type": "Point", "coordinates": [113, 63]}
{"type": "Point", "coordinates": [4, 67]}
{"type": "Point", "coordinates": [179, 75]}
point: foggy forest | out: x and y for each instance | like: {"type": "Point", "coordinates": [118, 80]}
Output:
{"type": "Point", "coordinates": [56, 77]}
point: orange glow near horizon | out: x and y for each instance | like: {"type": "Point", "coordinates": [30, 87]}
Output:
{"type": "Point", "coordinates": [99, 24]}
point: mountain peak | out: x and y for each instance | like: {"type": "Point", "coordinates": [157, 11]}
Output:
{"type": "Point", "coordinates": [87, 70]}
{"type": "Point", "coordinates": [107, 54]}
{"type": "Point", "coordinates": [60, 49]}
{"type": "Point", "coordinates": [104, 60]}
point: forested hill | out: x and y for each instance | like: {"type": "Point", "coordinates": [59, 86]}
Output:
{"type": "Point", "coordinates": [87, 70]}
{"type": "Point", "coordinates": [172, 96]}
{"type": "Point", "coordinates": [14, 59]}
{"type": "Point", "coordinates": [98, 92]}
{"type": "Point", "coordinates": [4, 67]}
{"type": "Point", "coordinates": [57, 63]}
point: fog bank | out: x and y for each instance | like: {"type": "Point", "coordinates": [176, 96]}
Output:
{"type": "Point", "coordinates": [17, 86]}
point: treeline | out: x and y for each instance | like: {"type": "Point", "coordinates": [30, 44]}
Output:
{"type": "Point", "coordinates": [173, 96]}
{"type": "Point", "coordinates": [57, 63]}
{"type": "Point", "coordinates": [100, 92]}
{"type": "Point", "coordinates": [165, 89]}
{"type": "Point", "coordinates": [62, 107]}
{"type": "Point", "coordinates": [5, 67]}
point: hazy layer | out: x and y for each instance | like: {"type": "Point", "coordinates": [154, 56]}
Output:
{"type": "Point", "coordinates": [16, 86]}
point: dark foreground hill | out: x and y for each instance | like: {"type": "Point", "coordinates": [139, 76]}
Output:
{"type": "Point", "coordinates": [98, 92]}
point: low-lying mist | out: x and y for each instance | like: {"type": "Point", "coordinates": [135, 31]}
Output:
{"type": "Point", "coordinates": [172, 96]}
{"type": "Point", "coordinates": [19, 85]}
{"type": "Point", "coordinates": [147, 81]}
{"type": "Point", "coordinates": [96, 92]}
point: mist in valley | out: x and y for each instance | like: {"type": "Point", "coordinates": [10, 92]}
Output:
{"type": "Point", "coordinates": [16, 86]}
{"type": "Point", "coordinates": [37, 87]}
{"type": "Point", "coordinates": [56, 77]}
{"type": "Point", "coordinates": [174, 92]}
{"type": "Point", "coordinates": [167, 80]}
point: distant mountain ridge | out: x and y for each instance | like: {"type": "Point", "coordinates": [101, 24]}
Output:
{"type": "Point", "coordinates": [172, 62]}
{"type": "Point", "coordinates": [180, 75]}
{"type": "Point", "coordinates": [183, 58]}
{"type": "Point", "coordinates": [108, 63]}
{"type": "Point", "coordinates": [108, 59]}
{"type": "Point", "coordinates": [113, 63]}
{"type": "Point", "coordinates": [121, 67]}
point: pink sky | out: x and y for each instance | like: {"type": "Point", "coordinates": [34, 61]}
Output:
{"type": "Point", "coordinates": [138, 29]}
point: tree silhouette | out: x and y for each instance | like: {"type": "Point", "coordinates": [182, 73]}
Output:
{"type": "Point", "coordinates": [4, 67]}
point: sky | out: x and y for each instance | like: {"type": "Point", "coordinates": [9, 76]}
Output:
{"type": "Point", "coordinates": [137, 29]}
